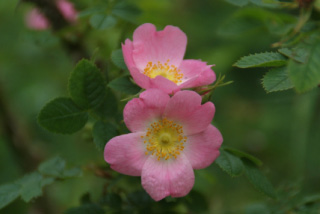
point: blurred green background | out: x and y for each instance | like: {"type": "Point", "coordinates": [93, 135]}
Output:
{"type": "Point", "coordinates": [281, 129]}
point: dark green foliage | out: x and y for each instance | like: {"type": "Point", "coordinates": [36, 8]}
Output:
{"type": "Point", "coordinates": [258, 180]}
{"type": "Point", "coordinates": [86, 85]}
{"type": "Point", "coordinates": [229, 163]}
{"type": "Point", "coordinates": [269, 59]}
{"type": "Point", "coordinates": [117, 59]}
{"type": "Point", "coordinates": [277, 79]}
{"type": "Point", "coordinates": [102, 132]}
{"type": "Point", "coordinates": [124, 85]}
{"type": "Point", "coordinates": [63, 116]}
{"type": "Point", "coordinates": [30, 185]}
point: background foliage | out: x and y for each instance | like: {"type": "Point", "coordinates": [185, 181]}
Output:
{"type": "Point", "coordinates": [280, 130]}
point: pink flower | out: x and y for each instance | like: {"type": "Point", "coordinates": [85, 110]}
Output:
{"type": "Point", "coordinates": [170, 137]}
{"type": "Point", "coordinates": [36, 20]}
{"type": "Point", "coordinates": [155, 60]}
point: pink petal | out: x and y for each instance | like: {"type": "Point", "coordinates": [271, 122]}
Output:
{"type": "Point", "coordinates": [67, 10]}
{"type": "Point", "coordinates": [36, 20]}
{"type": "Point", "coordinates": [142, 80]}
{"type": "Point", "coordinates": [203, 148]}
{"type": "Point", "coordinates": [163, 178]}
{"type": "Point", "coordinates": [185, 108]}
{"type": "Point", "coordinates": [196, 73]}
{"type": "Point", "coordinates": [152, 46]}
{"type": "Point", "coordinates": [140, 112]}
{"type": "Point", "coordinates": [126, 153]}
{"type": "Point", "coordinates": [164, 84]}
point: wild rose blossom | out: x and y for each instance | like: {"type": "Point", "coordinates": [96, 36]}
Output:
{"type": "Point", "coordinates": [155, 60]}
{"type": "Point", "coordinates": [170, 137]}
{"type": "Point", "coordinates": [36, 20]}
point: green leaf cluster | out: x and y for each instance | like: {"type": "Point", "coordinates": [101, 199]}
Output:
{"type": "Point", "coordinates": [236, 163]}
{"type": "Point", "coordinates": [108, 14]}
{"type": "Point", "coordinates": [30, 186]}
{"type": "Point", "coordinates": [295, 67]}
{"type": "Point", "coordinates": [89, 97]}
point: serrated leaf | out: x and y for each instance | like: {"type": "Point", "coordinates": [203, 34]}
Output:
{"type": "Point", "coordinates": [306, 76]}
{"type": "Point", "coordinates": [299, 54]}
{"type": "Point", "coordinates": [86, 85]}
{"type": "Point", "coordinates": [86, 209]}
{"type": "Point", "coordinates": [242, 154]}
{"type": "Point", "coordinates": [257, 179]}
{"type": "Point", "coordinates": [268, 59]}
{"type": "Point", "coordinates": [108, 108]}
{"type": "Point", "coordinates": [128, 12]}
{"type": "Point", "coordinates": [102, 21]}
{"type": "Point", "coordinates": [61, 115]}
{"type": "Point", "coordinates": [124, 84]}
{"type": "Point", "coordinates": [102, 132]}
{"type": "Point", "coordinates": [8, 193]}
{"type": "Point", "coordinates": [238, 2]}
{"type": "Point", "coordinates": [117, 59]}
{"type": "Point", "coordinates": [277, 80]}
{"type": "Point", "coordinates": [229, 163]}
{"type": "Point", "coordinates": [30, 186]}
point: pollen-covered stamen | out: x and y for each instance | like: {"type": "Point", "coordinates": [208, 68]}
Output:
{"type": "Point", "coordinates": [165, 139]}
{"type": "Point", "coordinates": [170, 72]}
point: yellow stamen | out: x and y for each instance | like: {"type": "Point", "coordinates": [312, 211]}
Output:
{"type": "Point", "coordinates": [164, 139]}
{"type": "Point", "coordinates": [172, 73]}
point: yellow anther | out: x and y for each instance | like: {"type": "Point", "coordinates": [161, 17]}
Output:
{"type": "Point", "coordinates": [164, 139]}
{"type": "Point", "coordinates": [171, 72]}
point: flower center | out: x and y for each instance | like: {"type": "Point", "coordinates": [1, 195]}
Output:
{"type": "Point", "coordinates": [172, 73]}
{"type": "Point", "coordinates": [164, 139]}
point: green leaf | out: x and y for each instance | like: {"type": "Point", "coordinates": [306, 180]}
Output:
{"type": "Point", "coordinates": [8, 193]}
{"type": "Point", "coordinates": [125, 85]}
{"type": "Point", "coordinates": [242, 154]}
{"type": "Point", "coordinates": [102, 21]}
{"type": "Point", "coordinates": [108, 108]}
{"type": "Point", "coordinates": [277, 80]}
{"type": "Point", "coordinates": [53, 167]}
{"type": "Point", "coordinates": [230, 163]}
{"type": "Point", "coordinates": [299, 54]}
{"type": "Point", "coordinates": [86, 209]}
{"type": "Point", "coordinates": [268, 59]}
{"type": "Point", "coordinates": [238, 2]}
{"type": "Point", "coordinates": [128, 12]}
{"type": "Point", "coordinates": [306, 76]}
{"type": "Point", "coordinates": [102, 132]}
{"type": "Point", "coordinates": [257, 179]}
{"type": "Point", "coordinates": [31, 186]}
{"type": "Point", "coordinates": [62, 116]}
{"type": "Point", "coordinates": [56, 167]}
{"type": "Point", "coordinates": [86, 85]}
{"type": "Point", "coordinates": [117, 59]}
